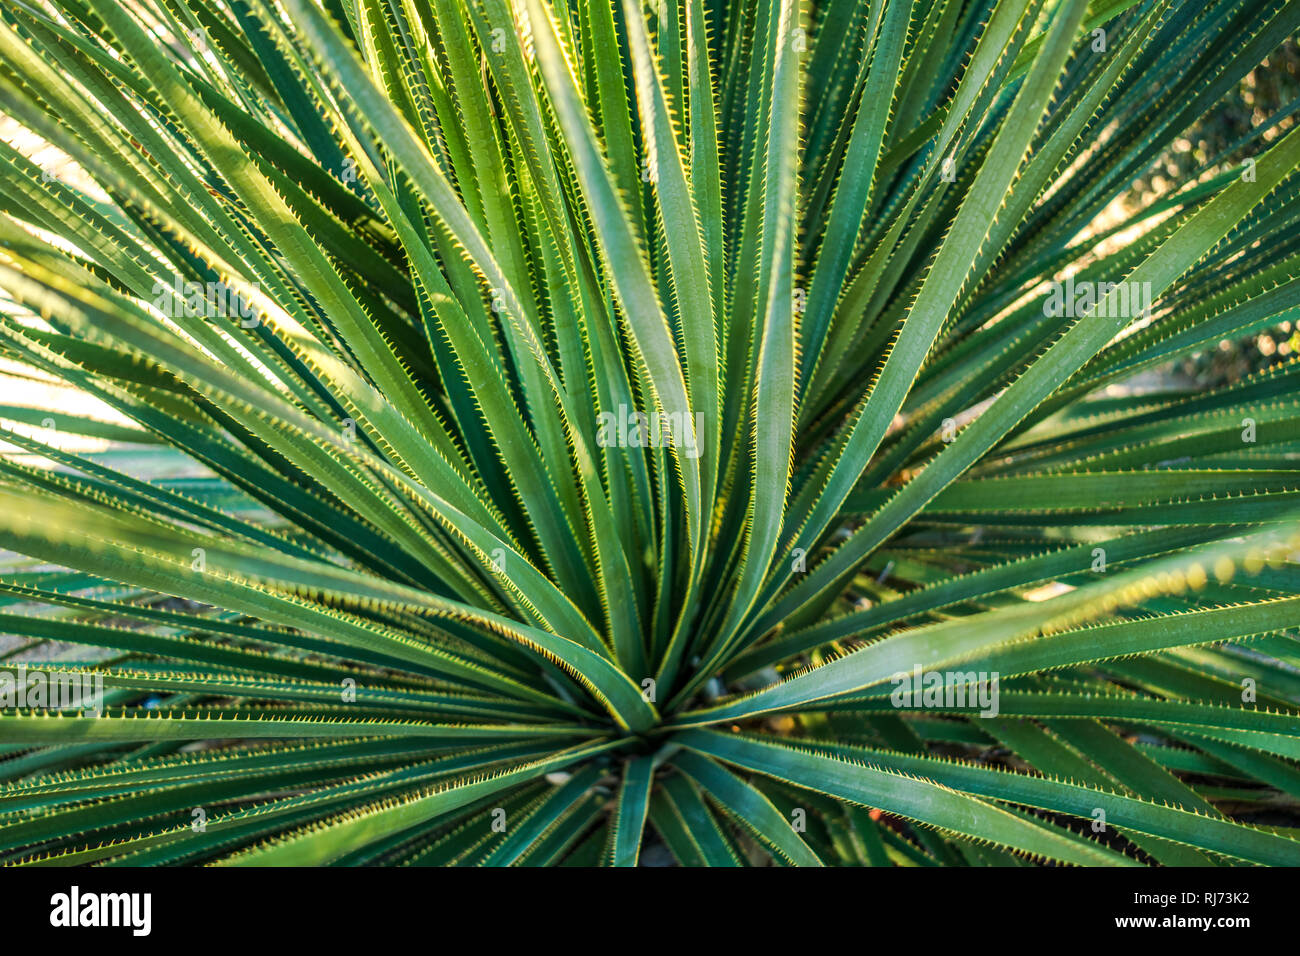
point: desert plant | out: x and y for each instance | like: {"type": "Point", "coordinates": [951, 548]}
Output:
{"type": "Point", "coordinates": [560, 427]}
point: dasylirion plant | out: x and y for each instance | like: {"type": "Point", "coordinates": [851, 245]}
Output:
{"type": "Point", "coordinates": [615, 432]}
